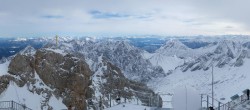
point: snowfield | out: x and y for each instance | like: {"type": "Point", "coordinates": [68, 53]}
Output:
{"type": "Point", "coordinates": [166, 62]}
{"type": "Point", "coordinates": [228, 81]}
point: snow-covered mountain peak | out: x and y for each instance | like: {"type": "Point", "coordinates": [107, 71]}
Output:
{"type": "Point", "coordinates": [175, 48]}
{"type": "Point", "coordinates": [114, 45]}
{"type": "Point", "coordinates": [123, 44]}
{"type": "Point", "coordinates": [174, 44]}
{"type": "Point", "coordinates": [228, 46]}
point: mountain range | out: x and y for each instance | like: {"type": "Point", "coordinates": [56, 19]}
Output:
{"type": "Point", "coordinates": [114, 67]}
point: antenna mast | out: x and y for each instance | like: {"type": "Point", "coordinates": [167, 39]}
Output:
{"type": "Point", "coordinates": [212, 85]}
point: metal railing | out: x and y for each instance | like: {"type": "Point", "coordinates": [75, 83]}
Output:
{"type": "Point", "coordinates": [13, 105]}
{"type": "Point", "coordinates": [207, 102]}
{"type": "Point", "coordinates": [231, 104]}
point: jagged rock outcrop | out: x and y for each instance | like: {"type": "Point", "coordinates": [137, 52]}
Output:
{"type": "Point", "coordinates": [67, 76]}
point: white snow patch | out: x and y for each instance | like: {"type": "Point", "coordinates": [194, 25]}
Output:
{"type": "Point", "coordinates": [166, 62]}
{"type": "Point", "coordinates": [4, 68]}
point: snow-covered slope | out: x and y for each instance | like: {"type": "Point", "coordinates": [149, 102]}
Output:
{"type": "Point", "coordinates": [228, 81]}
{"type": "Point", "coordinates": [167, 63]}
{"type": "Point", "coordinates": [231, 71]}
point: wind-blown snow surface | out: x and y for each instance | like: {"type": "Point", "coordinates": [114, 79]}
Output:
{"type": "Point", "coordinates": [228, 81]}
{"type": "Point", "coordinates": [166, 62]}
{"type": "Point", "coordinates": [32, 100]}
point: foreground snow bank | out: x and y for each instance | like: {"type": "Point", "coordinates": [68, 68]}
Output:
{"type": "Point", "coordinates": [129, 107]}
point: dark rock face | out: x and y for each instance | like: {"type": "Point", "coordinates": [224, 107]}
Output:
{"type": "Point", "coordinates": [68, 76]}
{"type": "Point", "coordinates": [117, 85]}
{"type": "Point", "coordinates": [62, 72]}
{"type": "Point", "coordinates": [23, 66]}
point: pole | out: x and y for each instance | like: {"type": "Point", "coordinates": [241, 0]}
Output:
{"type": "Point", "coordinates": [12, 104]}
{"type": "Point", "coordinates": [100, 103]}
{"type": "Point", "coordinates": [219, 106]}
{"type": "Point", "coordinates": [137, 101]}
{"type": "Point", "coordinates": [109, 100]}
{"type": "Point", "coordinates": [201, 100]}
{"type": "Point", "coordinates": [158, 100]}
{"type": "Point", "coordinates": [207, 101]}
{"type": "Point", "coordinates": [212, 85]}
{"type": "Point", "coordinates": [186, 96]}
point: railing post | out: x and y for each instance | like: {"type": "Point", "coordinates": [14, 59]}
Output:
{"type": "Point", "coordinates": [207, 101]}
{"type": "Point", "coordinates": [219, 106]}
{"type": "Point", "coordinates": [110, 100]}
{"type": "Point", "coordinates": [201, 100]}
{"type": "Point", "coordinates": [12, 104]}
{"type": "Point", "coordinates": [137, 101]}
{"type": "Point", "coordinates": [241, 98]}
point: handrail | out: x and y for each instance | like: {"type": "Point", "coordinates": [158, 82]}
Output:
{"type": "Point", "coordinates": [233, 103]}
{"type": "Point", "coordinates": [214, 99]}
{"type": "Point", "coordinates": [208, 100]}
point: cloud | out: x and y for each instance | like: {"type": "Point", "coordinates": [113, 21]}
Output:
{"type": "Point", "coordinates": [117, 15]}
{"type": "Point", "coordinates": [52, 16]}
{"type": "Point", "coordinates": [168, 17]}
{"type": "Point", "coordinates": [106, 15]}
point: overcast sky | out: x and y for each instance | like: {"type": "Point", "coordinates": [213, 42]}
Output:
{"type": "Point", "coordinates": [160, 17]}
